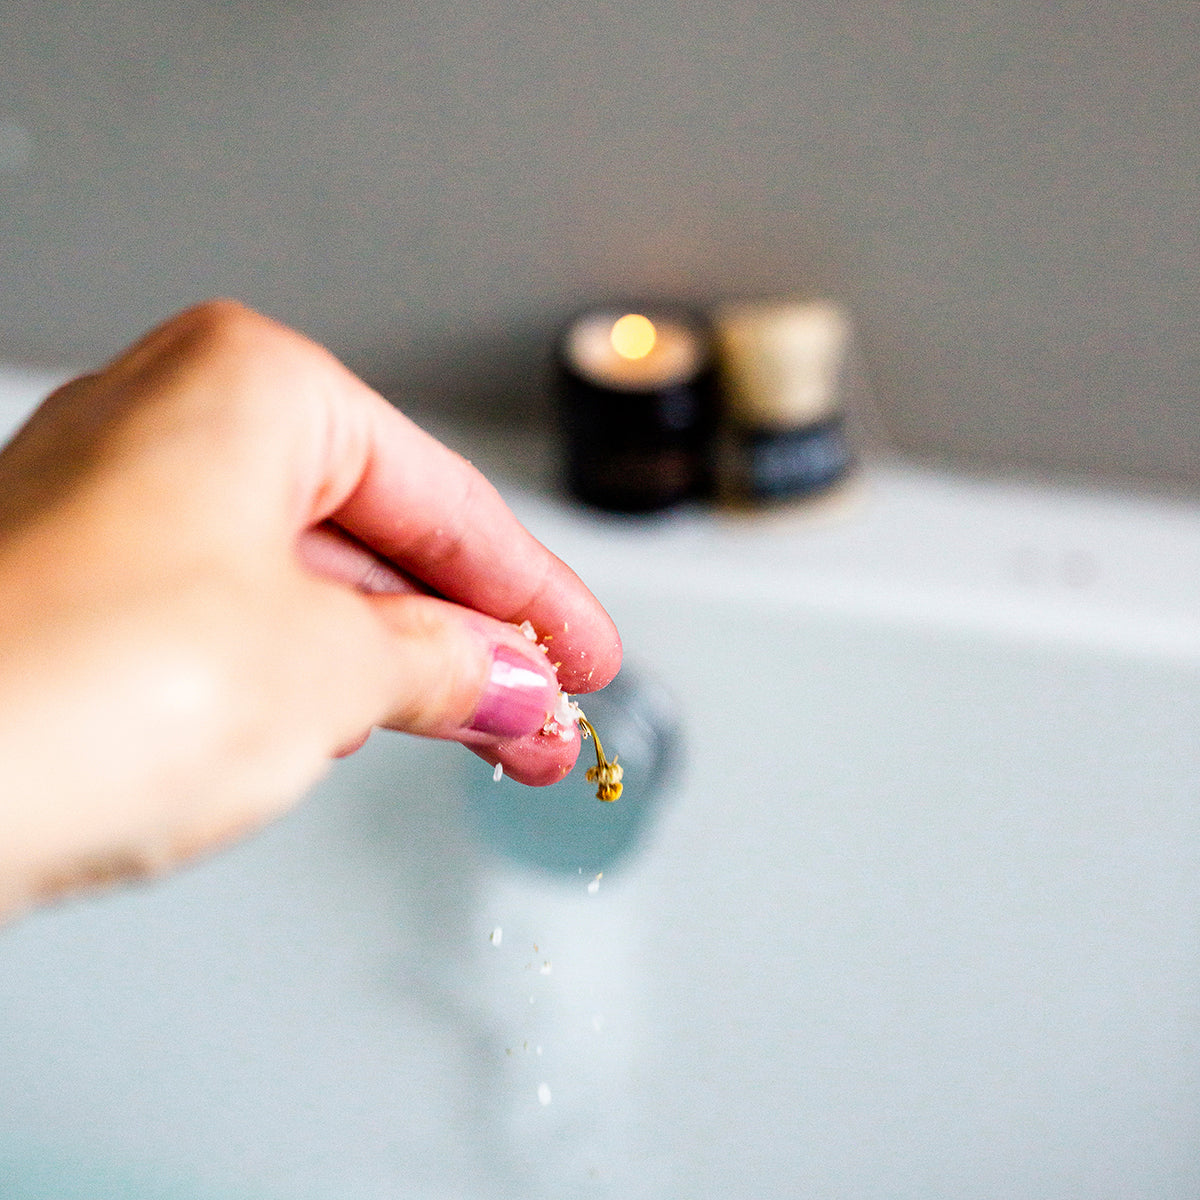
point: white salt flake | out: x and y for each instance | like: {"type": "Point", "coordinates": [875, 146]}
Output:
{"type": "Point", "coordinates": [545, 969]}
{"type": "Point", "coordinates": [594, 884]}
{"type": "Point", "coordinates": [526, 627]}
{"type": "Point", "coordinates": [564, 718]}
{"type": "Point", "coordinates": [544, 1096]}
{"type": "Point", "coordinates": [496, 936]}
{"type": "Point", "coordinates": [498, 773]}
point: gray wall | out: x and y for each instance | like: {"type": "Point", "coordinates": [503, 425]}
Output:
{"type": "Point", "coordinates": [1005, 193]}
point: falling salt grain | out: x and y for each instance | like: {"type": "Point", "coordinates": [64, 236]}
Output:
{"type": "Point", "coordinates": [545, 969]}
{"type": "Point", "coordinates": [497, 936]}
{"type": "Point", "coordinates": [544, 1096]}
{"type": "Point", "coordinates": [498, 773]}
{"type": "Point", "coordinates": [594, 884]}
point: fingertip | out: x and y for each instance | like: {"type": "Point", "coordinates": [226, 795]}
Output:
{"type": "Point", "coordinates": [536, 760]}
{"type": "Point", "coordinates": [581, 644]}
{"type": "Point", "coordinates": [587, 667]}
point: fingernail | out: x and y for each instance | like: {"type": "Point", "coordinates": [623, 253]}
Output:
{"type": "Point", "coordinates": [518, 697]}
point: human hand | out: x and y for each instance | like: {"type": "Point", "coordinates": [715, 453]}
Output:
{"type": "Point", "coordinates": [223, 559]}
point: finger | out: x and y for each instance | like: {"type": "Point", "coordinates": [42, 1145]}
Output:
{"type": "Point", "coordinates": [426, 509]}
{"type": "Point", "coordinates": [332, 554]}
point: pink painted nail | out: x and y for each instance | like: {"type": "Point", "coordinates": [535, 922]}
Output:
{"type": "Point", "coordinates": [518, 698]}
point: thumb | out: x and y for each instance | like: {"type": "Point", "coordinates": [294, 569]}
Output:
{"type": "Point", "coordinates": [461, 675]}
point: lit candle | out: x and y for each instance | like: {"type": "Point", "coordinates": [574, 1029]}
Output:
{"type": "Point", "coordinates": [637, 408]}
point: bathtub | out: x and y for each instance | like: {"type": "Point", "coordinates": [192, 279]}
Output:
{"type": "Point", "coordinates": [902, 899]}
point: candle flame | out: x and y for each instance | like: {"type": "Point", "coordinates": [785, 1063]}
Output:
{"type": "Point", "coordinates": [633, 336]}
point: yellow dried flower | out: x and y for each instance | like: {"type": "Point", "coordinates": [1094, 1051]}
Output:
{"type": "Point", "coordinates": [607, 773]}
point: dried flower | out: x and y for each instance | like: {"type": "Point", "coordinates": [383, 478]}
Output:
{"type": "Point", "coordinates": [606, 774]}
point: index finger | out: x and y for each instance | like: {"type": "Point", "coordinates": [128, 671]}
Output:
{"type": "Point", "coordinates": [429, 511]}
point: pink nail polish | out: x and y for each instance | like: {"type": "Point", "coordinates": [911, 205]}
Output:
{"type": "Point", "coordinates": [518, 697]}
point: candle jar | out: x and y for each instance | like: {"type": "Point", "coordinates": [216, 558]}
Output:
{"type": "Point", "coordinates": [783, 380]}
{"type": "Point", "coordinates": [637, 402]}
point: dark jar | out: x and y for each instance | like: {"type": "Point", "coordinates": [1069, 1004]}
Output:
{"type": "Point", "coordinates": [637, 403]}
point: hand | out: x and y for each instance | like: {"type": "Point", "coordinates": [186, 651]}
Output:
{"type": "Point", "coordinates": [223, 559]}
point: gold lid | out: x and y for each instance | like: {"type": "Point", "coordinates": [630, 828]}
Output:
{"type": "Point", "coordinates": [781, 363]}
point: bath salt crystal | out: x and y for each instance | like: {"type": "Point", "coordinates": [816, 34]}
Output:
{"type": "Point", "coordinates": [496, 936]}
{"type": "Point", "coordinates": [566, 711]}
{"type": "Point", "coordinates": [544, 1096]}
{"type": "Point", "coordinates": [498, 773]}
{"type": "Point", "coordinates": [564, 718]}
{"type": "Point", "coordinates": [526, 627]}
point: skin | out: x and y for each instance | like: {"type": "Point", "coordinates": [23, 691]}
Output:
{"type": "Point", "coordinates": [223, 560]}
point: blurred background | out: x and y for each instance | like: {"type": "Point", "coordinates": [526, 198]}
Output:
{"type": "Point", "coordinates": [1005, 194]}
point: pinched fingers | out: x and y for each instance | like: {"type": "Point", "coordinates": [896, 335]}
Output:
{"type": "Point", "coordinates": [466, 677]}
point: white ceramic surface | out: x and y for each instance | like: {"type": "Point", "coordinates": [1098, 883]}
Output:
{"type": "Point", "coordinates": [917, 917]}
